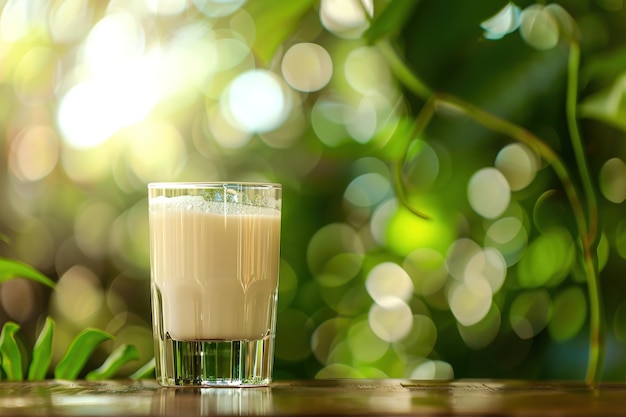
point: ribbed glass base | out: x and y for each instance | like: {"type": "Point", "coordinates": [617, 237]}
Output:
{"type": "Point", "coordinates": [209, 363]}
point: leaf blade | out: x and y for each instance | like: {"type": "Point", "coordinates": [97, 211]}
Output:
{"type": "Point", "coordinates": [607, 105]}
{"type": "Point", "coordinates": [42, 352]}
{"type": "Point", "coordinates": [122, 355]}
{"type": "Point", "coordinates": [146, 371]}
{"type": "Point", "coordinates": [10, 269]}
{"type": "Point", "coordinates": [10, 351]}
{"type": "Point", "coordinates": [391, 20]}
{"type": "Point", "coordinates": [275, 20]}
{"type": "Point", "coordinates": [79, 351]}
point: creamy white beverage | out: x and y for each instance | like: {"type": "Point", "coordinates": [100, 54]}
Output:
{"type": "Point", "coordinates": [215, 267]}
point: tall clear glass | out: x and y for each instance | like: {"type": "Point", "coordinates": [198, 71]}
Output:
{"type": "Point", "coordinates": [214, 260]}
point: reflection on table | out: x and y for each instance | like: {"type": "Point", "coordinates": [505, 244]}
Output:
{"type": "Point", "coordinates": [321, 397]}
{"type": "Point", "coordinates": [212, 401]}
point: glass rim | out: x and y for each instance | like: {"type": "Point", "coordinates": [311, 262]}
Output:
{"type": "Point", "coordinates": [213, 184]}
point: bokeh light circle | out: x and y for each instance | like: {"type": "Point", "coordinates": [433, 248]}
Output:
{"type": "Point", "coordinates": [459, 255]}
{"type": "Point", "coordinates": [530, 313]}
{"type": "Point", "coordinates": [391, 322]}
{"type": "Point", "coordinates": [307, 66]}
{"type": "Point", "coordinates": [387, 281]}
{"type": "Point", "coordinates": [509, 236]}
{"type": "Point", "coordinates": [328, 120]}
{"type": "Point", "coordinates": [326, 336]}
{"type": "Point", "coordinates": [488, 264]}
{"type": "Point", "coordinates": [613, 180]}
{"type": "Point", "coordinates": [223, 131]}
{"type": "Point", "coordinates": [518, 164]}
{"type": "Point", "coordinates": [37, 75]}
{"type": "Point", "coordinates": [218, 8]}
{"type": "Point", "coordinates": [470, 302]}
{"type": "Point", "coordinates": [489, 193]}
{"type": "Point", "coordinates": [78, 295]}
{"type": "Point", "coordinates": [70, 20]}
{"type": "Point", "coordinates": [423, 164]}
{"type": "Point", "coordinates": [166, 7]}
{"type": "Point", "coordinates": [34, 153]}
{"type": "Point", "coordinates": [427, 269]}
{"type": "Point", "coordinates": [338, 370]}
{"type": "Point", "coordinates": [548, 260]}
{"type": "Point", "coordinates": [364, 344]}
{"type": "Point", "coordinates": [376, 77]}
{"type": "Point", "coordinates": [363, 120]}
{"type": "Point", "coordinates": [165, 145]}
{"type": "Point", "coordinates": [18, 299]}
{"type": "Point", "coordinates": [421, 338]}
{"type": "Point", "coordinates": [367, 190]}
{"type": "Point", "coordinates": [113, 43]}
{"type": "Point", "coordinates": [482, 333]}
{"type": "Point", "coordinates": [432, 369]}
{"type": "Point", "coordinates": [82, 126]}
{"type": "Point", "coordinates": [257, 101]}
{"type": "Point", "coordinates": [346, 18]}
{"type": "Point", "coordinates": [335, 255]}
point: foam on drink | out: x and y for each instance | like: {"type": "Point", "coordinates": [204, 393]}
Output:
{"type": "Point", "coordinates": [215, 266]}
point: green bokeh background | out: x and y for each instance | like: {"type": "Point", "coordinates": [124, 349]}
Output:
{"type": "Point", "coordinates": [79, 213]}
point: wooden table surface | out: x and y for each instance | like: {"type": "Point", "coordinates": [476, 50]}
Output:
{"type": "Point", "coordinates": [317, 397]}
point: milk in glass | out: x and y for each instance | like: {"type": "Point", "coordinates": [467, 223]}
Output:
{"type": "Point", "coordinates": [215, 266]}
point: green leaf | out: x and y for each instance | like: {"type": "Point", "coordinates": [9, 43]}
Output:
{"type": "Point", "coordinates": [42, 352]}
{"type": "Point", "coordinates": [275, 20]}
{"type": "Point", "coordinates": [4, 238]}
{"type": "Point", "coordinates": [10, 351]}
{"type": "Point", "coordinates": [123, 354]}
{"type": "Point", "coordinates": [607, 105]}
{"type": "Point", "coordinates": [146, 371]}
{"type": "Point", "coordinates": [10, 269]}
{"type": "Point", "coordinates": [391, 20]}
{"type": "Point", "coordinates": [79, 351]}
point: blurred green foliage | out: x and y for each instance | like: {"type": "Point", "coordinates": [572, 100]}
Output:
{"type": "Point", "coordinates": [422, 110]}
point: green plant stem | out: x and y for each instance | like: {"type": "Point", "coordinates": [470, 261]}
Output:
{"type": "Point", "coordinates": [490, 121]}
{"type": "Point", "coordinates": [596, 328]}
{"type": "Point", "coordinates": [570, 107]}
{"type": "Point", "coordinates": [421, 122]}
{"type": "Point", "coordinates": [596, 332]}
{"type": "Point", "coordinates": [402, 72]}
{"type": "Point", "coordinates": [412, 82]}
{"type": "Point", "coordinates": [522, 135]}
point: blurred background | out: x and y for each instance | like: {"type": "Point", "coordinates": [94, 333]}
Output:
{"type": "Point", "coordinates": [99, 98]}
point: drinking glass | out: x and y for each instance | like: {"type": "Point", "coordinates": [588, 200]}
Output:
{"type": "Point", "coordinates": [214, 261]}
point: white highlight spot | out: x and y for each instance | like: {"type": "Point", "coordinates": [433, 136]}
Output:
{"type": "Point", "coordinates": [257, 102]}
